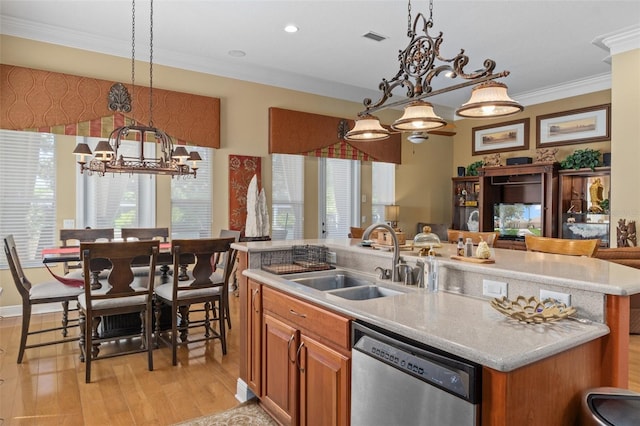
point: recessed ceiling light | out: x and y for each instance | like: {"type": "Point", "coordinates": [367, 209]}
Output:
{"type": "Point", "coordinates": [237, 53]}
{"type": "Point", "coordinates": [291, 28]}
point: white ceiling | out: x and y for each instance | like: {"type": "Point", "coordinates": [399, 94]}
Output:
{"type": "Point", "coordinates": [546, 45]}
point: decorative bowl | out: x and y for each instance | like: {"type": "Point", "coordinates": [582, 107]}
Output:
{"type": "Point", "coordinates": [531, 310]}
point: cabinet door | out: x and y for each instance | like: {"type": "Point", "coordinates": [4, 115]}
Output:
{"type": "Point", "coordinates": [280, 372]}
{"type": "Point", "coordinates": [254, 337]}
{"type": "Point", "coordinates": [325, 379]}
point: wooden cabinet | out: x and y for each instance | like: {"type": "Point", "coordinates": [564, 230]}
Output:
{"type": "Point", "coordinates": [306, 368]}
{"type": "Point", "coordinates": [254, 337]}
{"type": "Point", "coordinates": [466, 206]}
{"type": "Point", "coordinates": [534, 186]}
{"type": "Point", "coordinates": [280, 396]}
{"type": "Point", "coordinates": [584, 204]}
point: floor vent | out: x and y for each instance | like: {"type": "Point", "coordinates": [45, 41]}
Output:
{"type": "Point", "coordinates": [374, 36]}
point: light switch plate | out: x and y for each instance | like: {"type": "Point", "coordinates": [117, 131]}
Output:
{"type": "Point", "coordinates": [68, 224]}
{"type": "Point", "coordinates": [493, 288]}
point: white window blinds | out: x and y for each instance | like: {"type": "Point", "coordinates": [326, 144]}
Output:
{"type": "Point", "coordinates": [342, 192]}
{"type": "Point", "coordinates": [28, 193]}
{"type": "Point", "coordinates": [117, 200]}
{"type": "Point", "coordinates": [382, 189]}
{"type": "Point", "coordinates": [287, 201]}
{"type": "Point", "coordinates": [191, 214]}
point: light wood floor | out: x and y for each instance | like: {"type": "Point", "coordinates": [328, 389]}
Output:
{"type": "Point", "coordinates": [48, 387]}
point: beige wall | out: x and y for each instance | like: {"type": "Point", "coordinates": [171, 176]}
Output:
{"type": "Point", "coordinates": [625, 147]}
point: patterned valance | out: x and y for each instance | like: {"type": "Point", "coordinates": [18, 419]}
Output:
{"type": "Point", "coordinates": [295, 132]}
{"type": "Point", "coordinates": [72, 105]}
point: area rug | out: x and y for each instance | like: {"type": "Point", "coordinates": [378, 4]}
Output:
{"type": "Point", "coordinates": [248, 413]}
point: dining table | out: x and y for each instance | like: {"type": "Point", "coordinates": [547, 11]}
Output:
{"type": "Point", "coordinates": [124, 324]}
{"type": "Point", "coordinates": [54, 255]}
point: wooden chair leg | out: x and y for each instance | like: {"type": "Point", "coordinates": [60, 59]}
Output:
{"type": "Point", "coordinates": [65, 317]}
{"type": "Point", "coordinates": [184, 322]}
{"type": "Point", "coordinates": [147, 336]}
{"type": "Point", "coordinates": [82, 319]}
{"type": "Point", "coordinates": [26, 319]}
{"type": "Point", "coordinates": [223, 333]}
{"type": "Point", "coordinates": [89, 346]}
{"type": "Point", "coordinates": [156, 311]}
{"type": "Point", "coordinates": [174, 334]}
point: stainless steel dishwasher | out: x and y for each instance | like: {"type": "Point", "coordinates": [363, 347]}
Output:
{"type": "Point", "coordinates": [398, 382]}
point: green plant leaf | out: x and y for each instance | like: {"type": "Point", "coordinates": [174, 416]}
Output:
{"type": "Point", "coordinates": [582, 158]}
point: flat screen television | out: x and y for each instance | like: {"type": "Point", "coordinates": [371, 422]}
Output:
{"type": "Point", "coordinates": [517, 219]}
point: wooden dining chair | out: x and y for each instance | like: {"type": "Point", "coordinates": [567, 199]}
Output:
{"type": "Point", "coordinates": [143, 234]}
{"type": "Point", "coordinates": [73, 238]}
{"type": "Point", "coordinates": [198, 255]}
{"type": "Point", "coordinates": [34, 294]}
{"type": "Point", "coordinates": [489, 237]}
{"type": "Point", "coordinates": [562, 246]}
{"type": "Point", "coordinates": [219, 273]}
{"type": "Point", "coordinates": [120, 293]}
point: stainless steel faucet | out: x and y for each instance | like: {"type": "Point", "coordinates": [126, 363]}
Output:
{"type": "Point", "coordinates": [395, 275]}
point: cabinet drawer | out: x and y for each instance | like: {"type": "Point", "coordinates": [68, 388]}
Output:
{"type": "Point", "coordinates": [323, 324]}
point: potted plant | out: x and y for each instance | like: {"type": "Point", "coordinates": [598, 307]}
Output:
{"type": "Point", "coordinates": [472, 169]}
{"type": "Point", "coordinates": [582, 159]}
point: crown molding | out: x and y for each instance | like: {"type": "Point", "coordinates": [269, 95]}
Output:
{"type": "Point", "coordinates": [620, 41]}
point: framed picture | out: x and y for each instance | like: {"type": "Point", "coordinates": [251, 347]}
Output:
{"type": "Point", "coordinates": [582, 125]}
{"type": "Point", "coordinates": [510, 136]}
{"type": "Point", "coordinates": [476, 188]}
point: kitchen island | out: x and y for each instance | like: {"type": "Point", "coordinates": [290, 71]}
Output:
{"type": "Point", "coordinates": [530, 372]}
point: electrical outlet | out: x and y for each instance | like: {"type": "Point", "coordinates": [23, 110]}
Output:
{"type": "Point", "coordinates": [364, 219]}
{"type": "Point", "coordinates": [493, 288]}
{"type": "Point", "coordinates": [68, 223]}
{"type": "Point", "coordinates": [560, 297]}
{"type": "Point", "coordinates": [331, 257]}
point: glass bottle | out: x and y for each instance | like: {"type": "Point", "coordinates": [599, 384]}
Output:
{"type": "Point", "coordinates": [460, 247]}
{"type": "Point", "coordinates": [468, 252]}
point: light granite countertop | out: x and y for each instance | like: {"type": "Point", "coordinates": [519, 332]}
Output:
{"type": "Point", "coordinates": [460, 324]}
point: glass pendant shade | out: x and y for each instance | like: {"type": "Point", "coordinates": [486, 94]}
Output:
{"type": "Point", "coordinates": [489, 99]}
{"type": "Point", "coordinates": [418, 115]}
{"type": "Point", "coordinates": [367, 128]}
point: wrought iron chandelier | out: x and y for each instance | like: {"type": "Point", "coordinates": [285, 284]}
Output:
{"type": "Point", "coordinates": [172, 161]}
{"type": "Point", "coordinates": [420, 63]}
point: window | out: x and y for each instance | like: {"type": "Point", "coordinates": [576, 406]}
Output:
{"type": "Point", "coordinates": [287, 201]}
{"type": "Point", "coordinates": [117, 200]}
{"type": "Point", "coordinates": [339, 196]}
{"type": "Point", "coordinates": [382, 189]}
{"type": "Point", "coordinates": [191, 214]}
{"type": "Point", "coordinates": [27, 191]}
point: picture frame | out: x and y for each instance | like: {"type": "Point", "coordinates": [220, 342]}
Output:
{"type": "Point", "coordinates": [583, 125]}
{"type": "Point", "coordinates": [502, 137]}
{"type": "Point", "coordinates": [476, 188]}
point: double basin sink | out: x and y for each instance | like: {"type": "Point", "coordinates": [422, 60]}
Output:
{"type": "Point", "coordinates": [346, 284]}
